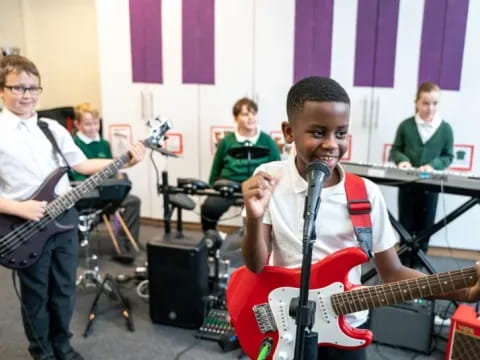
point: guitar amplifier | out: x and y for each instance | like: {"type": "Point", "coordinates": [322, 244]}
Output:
{"type": "Point", "coordinates": [178, 281]}
{"type": "Point", "coordinates": [464, 337]}
{"type": "Point", "coordinates": [408, 325]}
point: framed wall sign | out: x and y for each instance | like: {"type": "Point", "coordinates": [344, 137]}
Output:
{"type": "Point", "coordinates": [120, 137]}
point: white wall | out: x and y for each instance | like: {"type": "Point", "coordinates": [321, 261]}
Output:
{"type": "Point", "coordinates": [60, 36]}
{"type": "Point", "coordinates": [11, 24]}
{"type": "Point", "coordinates": [88, 59]}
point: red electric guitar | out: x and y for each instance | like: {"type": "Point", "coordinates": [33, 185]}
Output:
{"type": "Point", "coordinates": [22, 241]}
{"type": "Point", "coordinates": [259, 303]}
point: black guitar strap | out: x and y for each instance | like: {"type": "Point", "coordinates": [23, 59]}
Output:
{"type": "Point", "coordinates": [46, 130]}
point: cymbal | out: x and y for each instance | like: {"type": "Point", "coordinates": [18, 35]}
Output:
{"type": "Point", "coordinates": [245, 152]}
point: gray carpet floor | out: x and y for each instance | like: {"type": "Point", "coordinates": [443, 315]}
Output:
{"type": "Point", "coordinates": [109, 338]}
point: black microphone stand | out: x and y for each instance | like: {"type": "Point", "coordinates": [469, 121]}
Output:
{"type": "Point", "coordinates": [306, 343]}
{"type": "Point", "coordinates": [301, 308]}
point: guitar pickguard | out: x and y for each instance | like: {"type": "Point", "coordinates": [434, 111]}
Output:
{"type": "Point", "coordinates": [326, 324]}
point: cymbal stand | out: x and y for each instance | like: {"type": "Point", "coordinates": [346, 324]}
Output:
{"type": "Point", "coordinates": [91, 276]}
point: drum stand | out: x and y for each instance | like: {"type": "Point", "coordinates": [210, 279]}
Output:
{"type": "Point", "coordinates": [91, 276]}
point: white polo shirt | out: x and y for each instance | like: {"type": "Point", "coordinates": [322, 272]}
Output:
{"type": "Point", "coordinates": [334, 227]}
{"type": "Point", "coordinates": [27, 156]}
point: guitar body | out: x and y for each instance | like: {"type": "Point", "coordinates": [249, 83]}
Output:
{"type": "Point", "coordinates": [276, 286]}
{"type": "Point", "coordinates": [29, 236]}
{"type": "Point", "coordinates": [22, 242]}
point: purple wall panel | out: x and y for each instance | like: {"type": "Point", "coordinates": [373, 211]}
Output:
{"type": "Point", "coordinates": [313, 38]}
{"type": "Point", "coordinates": [454, 43]}
{"type": "Point", "coordinates": [376, 40]}
{"type": "Point", "coordinates": [198, 41]}
{"type": "Point", "coordinates": [365, 42]}
{"type": "Point", "coordinates": [146, 40]}
{"type": "Point", "coordinates": [432, 41]}
{"type": "Point", "coordinates": [387, 28]}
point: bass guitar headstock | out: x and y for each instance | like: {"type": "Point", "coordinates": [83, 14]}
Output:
{"type": "Point", "coordinates": [158, 129]}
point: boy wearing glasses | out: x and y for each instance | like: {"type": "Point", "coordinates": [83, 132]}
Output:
{"type": "Point", "coordinates": [27, 157]}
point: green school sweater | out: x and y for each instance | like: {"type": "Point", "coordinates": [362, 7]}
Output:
{"type": "Point", "coordinates": [408, 146]}
{"type": "Point", "coordinates": [227, 167]}
{"type": "Point", "coordinates": [94, 150]}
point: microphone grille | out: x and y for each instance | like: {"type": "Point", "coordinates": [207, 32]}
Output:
{"type": "Point", "coordinates": [318, 165]}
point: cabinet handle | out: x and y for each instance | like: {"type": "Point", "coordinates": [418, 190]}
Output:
{"type": "Point", "coordinates": [377, 111]}
{"type": "Point", "coordinates": [150, 117]}
{"type": "Point", "coordinates": [142, 104]}
{"type": "Point", "coordinates": [364, 118]}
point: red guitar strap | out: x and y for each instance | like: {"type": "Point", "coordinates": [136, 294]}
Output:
{"type": "Point", "coordinates": [359, 208]}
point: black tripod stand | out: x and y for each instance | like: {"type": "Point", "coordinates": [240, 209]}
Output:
{"type": "Point", "coordinates": [110, 287]}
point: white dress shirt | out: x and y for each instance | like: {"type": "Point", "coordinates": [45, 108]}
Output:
{"type": "Point", "coordinates": [427, 129]}
{"type": "Point", "coordinates": [334, 227]}
{"type": "Point", "coordinates": [27, 156]}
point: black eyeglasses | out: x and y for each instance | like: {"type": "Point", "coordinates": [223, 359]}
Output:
{"type": "Point", "coordinates": [20, 90]}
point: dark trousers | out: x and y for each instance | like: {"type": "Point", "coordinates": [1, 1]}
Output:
{"type": "Point", "coordinates": [131, 214]}
{"type": "Point", "coordinates": [417, 209]}
{"type": "Point", "coordinates": [48, 293]}
{"type": "Point", "coordinates": [212, 209]}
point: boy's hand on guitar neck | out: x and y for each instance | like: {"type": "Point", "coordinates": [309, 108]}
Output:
{"type": "Point", "coordinates": [137, 153]}
{"type": "Point", "coordinates": [473, 293]}
{"type": "Point", "coordinates": [31, 209]}
{"type": "Point", "coordinates": [257, 192]}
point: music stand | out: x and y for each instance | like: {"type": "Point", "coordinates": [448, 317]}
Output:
{"type": "Point", "coordinates": [102, 201]}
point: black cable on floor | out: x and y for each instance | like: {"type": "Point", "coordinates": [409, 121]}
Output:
{"type": "Point", "coordinates": [188, 348]}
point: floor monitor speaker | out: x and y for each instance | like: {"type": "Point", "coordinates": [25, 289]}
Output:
{"type": "Point", "coordinates": [178, 280]}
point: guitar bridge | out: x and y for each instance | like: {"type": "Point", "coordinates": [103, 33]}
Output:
{"type": "Point", "coordinates": [264, 316]}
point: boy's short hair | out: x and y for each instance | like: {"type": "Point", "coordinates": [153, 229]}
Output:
{"type": "Point", "coordinates": [84, 108]}
{"type": "Point", "coordinates": [16, 64]}
{"type": "Point", "coordinates": [251, 106]}
{"type": "Point", "coordinates": [314, 88]}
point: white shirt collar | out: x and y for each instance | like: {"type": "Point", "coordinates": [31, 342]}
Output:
{"type": "Point", "coordinates": [299, 184]}
{"type": "Point", "coordinates": [252, 139]}
{"type": "Point", "coordinates": [435, 123]}
{"type": "Point", "coordinates": [87, 140]}
{"type": "Point", "coordinates": [12, 120]}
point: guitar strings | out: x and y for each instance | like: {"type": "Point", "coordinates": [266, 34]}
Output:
{"type": "Point", "coordinates": [349, 300]}
{"type": "Point", "coordinates": [22, 234]}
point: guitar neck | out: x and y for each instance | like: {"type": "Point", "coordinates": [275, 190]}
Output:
{"type": "Point", "coordinates": [67, 200]}
{"type": "Point", "coordinates": [396, 292]}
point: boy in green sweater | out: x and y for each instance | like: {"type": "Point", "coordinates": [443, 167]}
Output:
{"type": "Point", "coordinates": [425, 142]}
{"type": "Point", "coordinates": [87, 138]}
{"type": "Point", "coordinates": [228, 167]}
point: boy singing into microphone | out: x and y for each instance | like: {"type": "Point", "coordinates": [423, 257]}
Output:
{"type": "Point", "coordinates": [318, 112]}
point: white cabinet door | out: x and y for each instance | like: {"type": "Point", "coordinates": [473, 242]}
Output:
{"type": "Point", "coordinates": [233, 80]}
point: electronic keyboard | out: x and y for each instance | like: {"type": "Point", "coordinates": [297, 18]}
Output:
{"type": "Point", "coordinates": [440, 181]}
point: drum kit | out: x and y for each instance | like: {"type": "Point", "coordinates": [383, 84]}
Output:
{"type": "Point", "coordinates": [178, 198]}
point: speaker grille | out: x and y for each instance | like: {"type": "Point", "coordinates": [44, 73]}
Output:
{"type": "Point", "coordinates": [465, 347]}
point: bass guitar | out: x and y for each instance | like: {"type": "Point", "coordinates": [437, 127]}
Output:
{"type": "Point", "coordinates": [22, 241]}
{"type": "Point", "coordinates": [259, 304]}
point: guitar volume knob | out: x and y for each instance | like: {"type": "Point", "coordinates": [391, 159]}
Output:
{"type": "Point", "coordinates": [287, 337]}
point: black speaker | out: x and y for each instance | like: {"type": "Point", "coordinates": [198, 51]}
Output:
{"type": "Point", "coordinates": [178, 280]}
{"type": "Point", "coordinates": [408, 325]}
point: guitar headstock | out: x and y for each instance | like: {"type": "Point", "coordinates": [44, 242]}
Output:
{"type": "Point", "coordinates": [158, 129]}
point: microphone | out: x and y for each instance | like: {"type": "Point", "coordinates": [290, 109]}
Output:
{"type": "Point", "coordinates": [317, 172]}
